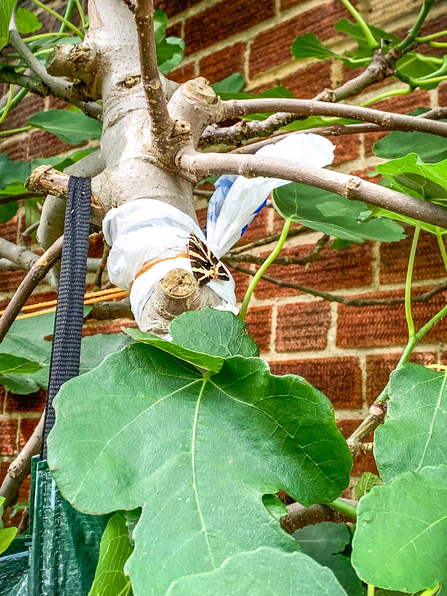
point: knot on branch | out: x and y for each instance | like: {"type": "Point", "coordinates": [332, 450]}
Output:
{"type": "Point", "coordinates": [328, 95]}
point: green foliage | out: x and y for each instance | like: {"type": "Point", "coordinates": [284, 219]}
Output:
{"type": "Point", "coordinates": [170, 53]}
{"type": "Point", "coordinates": [399, 543]}
{"type": "Point", "coordinates": [71, 127]}
{"type": "Point", "coordinates": [232, 84]}
{"type": "Point", "coordinates": [413, 435]}
{"type": "Point", "coordinates": [6, 8]}
{"type": "Point", "coordinates": [309, 46]}
{"type": "Point", "coordinates": [26, 21]}
{"type": "Point", "coordinates": [412, 176]}
{"type": "Point", "coordinates": [7, 535]}
{"type": "Point", "coordinates": [29, 339]}
{"type": "Point", "coordinates": [214, 445]}
{"type": "Point", "coordinates": [325, 543]}
{"type": "Point", "coordinates": [429, 148]}
{"type": "Point", "coordinates": [12, 171]}
{"type": "Point", "coordinates": [264, 572]}
{"type": "Point", "coordinates": [365, 485]}
{"type": "Point", "coordinates": [115, 549]}
{"type": "Point", "coordinates": [17, 365]}
{"type": "Point", "coordinates": [333, 214]}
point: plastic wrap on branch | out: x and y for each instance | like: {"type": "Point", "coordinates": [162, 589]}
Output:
{"type": "Point", "coordinates": [150, 238]}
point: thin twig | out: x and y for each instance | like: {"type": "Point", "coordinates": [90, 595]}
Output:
{"type": "Point", "coordinates": [160, 121]}
{"type": "Point", "coordinates": [358, 302]}
{"type": "Point", "coordinates": [205, 164]}
{"type": "Point", "coordinates": [25, 234]}
{"type": "Point", "coordinates": [372, 421]}
{"type": "Point", "coordinates": [25, 195]}
{"type": "Point", "coordinates": [102, 265]}
{"type": "Point", "coordinates": [37, 272]}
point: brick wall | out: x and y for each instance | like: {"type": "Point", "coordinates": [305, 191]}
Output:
{"type": "Point", "coordinates": [346, 352]}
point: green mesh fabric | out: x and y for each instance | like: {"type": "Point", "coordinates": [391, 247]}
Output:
{"type": "Point", "coordinates": [64, 546]}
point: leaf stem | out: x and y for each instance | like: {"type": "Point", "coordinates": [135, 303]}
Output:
{"type": "Point", "coordinates": [8, 104]}
{"type": "Point", "coordinates": [411, 37]}
{"type": "Point", "coordinates": [68, 15]}
{"type": "Point", "coordinates": [408, 313]}
{"type": "Point", "coordinates": [371, 590]}
{"type": "Point", "coordinates": [13, 131]}
{"type": "Point", "coordinates": [60, 18]}
{"type": "Point", "coordinates": [437, 44]}
{"type": "Point", "coordinates": [405, 91]}
{"type": "Point", "coordinates": [81, 14]}
{"type": "Point", "coordinates": [45, 36]}
{"type": "Point", "coordinates": [430, 37]}
{"type": "Point", "coordinates": [372, 43]}
{"type": "Point", "coordinates": [431, 591]}
{"type": "Point", "coordinates": [262, 269]}
{"type": "Point", "coordinates": [344, 507]}
{"type": "Point", "coordinates": [16, 100]}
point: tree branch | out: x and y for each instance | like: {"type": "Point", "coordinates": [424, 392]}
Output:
{"type": "Point", "coordinates": [358, 302]}
{"type": "Point", "coordinates": [375, 417]}
{"type": "Point", "coordinates": [299, 516]}
{"type": "Point", "coordinates": [351, 187]}
{"type": "Point", "coordinates": [37, 272]}
{"type": "Point", "coordinates": [33, 84]}
{"type": "Point", "coordinates": [21, 466]}
{"type": "Point", "coordinates": [160, 123]}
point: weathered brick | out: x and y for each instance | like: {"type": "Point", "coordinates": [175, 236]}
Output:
{"type": "Point", "coordinates": [259, 322]}
{"type": "Point", "coordinates": [308, 82]}
{"type": "Point", "coordinates": [302, 326]}
{"type": "Point", "coordinates": [335, 269]}
{"type": "Point", "coordinates": [173, 7]}
{"type": "Point", "coordinates": [34, 402]}
{"type": "Point", "coordinates": [8, 230]}
{"type": "Point", "coordinates": [257, 229]}
{"type": "Point", "coordinates": [95, 246]}
{"type": "Point", "coordinates": [219, 65]}
{"type": "Point", "coordinates": [241, 280]}
{"type": "Point", "coordinates": [442, 95]}
{"type": "Point", "coordinates": [44, 144]}
{"type": "Point", "coordinates": [386, 325]}
{"type": "Point", "coordinates": [364, 174]}
{"type": "Point", "coordinates": [8, 433]}
{"type": "Point", "coordinates": [285, 4]}
{"type": "Point", "coordinates": [27, 425]}
{"type": "Point", "coordinates": [380, 366]}
{"type": "Point", "coordinates": [394, 259]}
{"type": "Point", "coordinates": [223, 20]}
{"type": "Point", "coordinates": [364, 462]}
{"type": "Point", "coordinates": [183, 73]}
{"type": "Point", "coordinates": [340, 379]}
{"type": "Point", "coordinates": [346, 148]}
{"type": "Point", "coordinates": [34, 298]}
{"type": "Point", "coordinates": [23, 490]}
{"type": "Point", "coordinates": [174, 30]}
{"type": "Point", "coordinates": [15, 149]}
{"type": "Point", "coordinates": [272, 47]}
{"type": "Point", "coordinates": [10, 280]}
{"type": "Point", "coordinates": [19, 117]}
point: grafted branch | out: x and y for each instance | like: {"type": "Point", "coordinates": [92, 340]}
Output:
{"type": "Point", "coordinates": [351, 187]}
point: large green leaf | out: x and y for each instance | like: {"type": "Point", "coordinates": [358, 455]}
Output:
{"type": "Point", "coordinates": [12, 171]}
{"type": "Point", "coordinates": [147, 429]}
{"type": "Point", "coordinates": [325, 543]}
{"type": "Point", "coordinates": [26, 339]}
{"type": "Point", "coordinates": [414, 433]}
{"type": "Point", "coordinates": [334, 214]}
{"type": "Point", "coordinates": [355, 31]}
{"type": "Point", "coordinates": [60, 163]}
{"type": "Point", "coordinates": [400, 540]}
{"type": "Point", "coordinates": [8, 210]}
{"type": "Point", "coordinates": [170, 53]}
{"type": "Point", "coordinates": [6, 8]}
{"type": "Point", "coordinates": [17, 365]}
{"type": "Point", "coordinates": [397, 144]}
{"type": "Point", "coordinates": [26, 21]}
{"type": "Point", "coordinates": [309, 46]}
{"type": "Point", "coordinates": [71, 127]}
{"type": "Point", "coordinates": [115, 549]}
{"type": "Point", "coordinates": [264, 572]}
{"type": "Point", "coordinates": [411, 175]}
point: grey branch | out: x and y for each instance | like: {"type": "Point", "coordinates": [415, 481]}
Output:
{"type": "Point", "coordinates": [299, 516]}
{"type": "Point", "coordinates": [351, 187]}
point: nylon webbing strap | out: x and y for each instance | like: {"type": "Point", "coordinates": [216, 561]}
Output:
{"type": "Point", "coordinates": [65, 356]}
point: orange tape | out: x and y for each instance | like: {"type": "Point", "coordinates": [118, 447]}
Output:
{"type": "Point", "coordinates": [149, 264]}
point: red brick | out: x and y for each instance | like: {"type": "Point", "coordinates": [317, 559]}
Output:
{"type": "Point", "coordinates": [106, 327]}
{"type": "Point", "coordinates": [34, 298]}
{"type": "Point", "coordinates": [380, 366]}
{"type": "Point", "coordinates": [302, 326]}
{"type": "Point", "coordinates": [364, 462]}
{"type": "Point", "coordinates": [173, 7]}
{"type": "Point", "coordinates": [346, 148]}
{"type": "Point", "coordinates": [174, 30]}
{"type": "Point", "coordinates": [34, 402]}
{"type": "Point", "coordinates": [386, 325]}
{"type": "Point", "coordinates": [241, 280]}
{"type": "Point", "coordinates": [44, 144]}
{"type": "Point", "coordinates": [363, 174]}
{"type": "Point", "coordinates": [429, 27]}
{"type": "Point", "coordinates": [285, 4]}
{"type": "Point", "coordinates": [8, 230]}
{"type": "Point", "coordinates": [259, 321]}
{"type": "Point", "coordinates": [201, 216]}
{"type": "Point", "coordinates": [402, 104]}
{"type": "Point", "coordinates": [257, 229]}
{"type": "Point", "coordinates": [272, 47]}
{"type": "Point", "coordinates": [96, 246]}
{"type": "Point", "coordinates": [309, 81]}
{"type": "Point", "coordinates": [224, 20]}
{"type": "Point", "coordinates": [27, 426]}
{"type": "Point", "coordinates": [16, 149]}
{"type": "Point", "coordinates": [10, 280]}
{"type": "Point", "coordinates": [19, 117]}
{"type": "Point", "coordinates": [335, 269]}
{"type": "Point", "coordinates": [219, 65]}
{"type": "Point", "coordinates": [442, 95]}
{"type": "Point", "coordinates": [183, 73]}
{"type": "Point", "coordinates": [394, 259]}
{"type": "Point", "coordinates": [8, 433]}
{"type": "Point", "coordinates": [340, 379]}
{"type": "Point", "coordinates": [23, 490]}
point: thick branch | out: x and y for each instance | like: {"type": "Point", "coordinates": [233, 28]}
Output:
{"type": "Point", "coordinates": [39, 269]}
{"type": "Point", "coordinates": [19, 255]}
{"type": "Point", "coordinates": [358, 302]}
{"type": "Point", "coordinates": [299, 516]}
{"type": "Point", "coordinates": [33, 84]}
{"type": "Point", "coordinates": [160, 121]}
{"type": "Point", "coordinates": [352, 187]}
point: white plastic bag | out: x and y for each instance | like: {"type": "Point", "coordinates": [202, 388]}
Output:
{"type": "Point", "coordinates": [151, 234]}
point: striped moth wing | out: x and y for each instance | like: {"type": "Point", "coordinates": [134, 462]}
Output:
{"type": "Point", "coordinates": [205, 266]}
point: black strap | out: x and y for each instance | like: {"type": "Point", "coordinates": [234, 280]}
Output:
{"type": "Point", "coordinates": [66, 350]}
